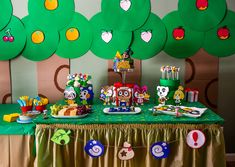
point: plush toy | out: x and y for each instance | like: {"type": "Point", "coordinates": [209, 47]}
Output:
{"type": "Point", "coordinates": [179, 95]}
{"type": "Point", "coordinates": [86, 94]}
{"type": "Point", "coordinates": [140, 95]}
{"type": "Point", "coordinates": [107, 94]}
{"type": "Point", "coordinates": [162, 93]}
{"type": "Point", "coordinates": [124, 96]}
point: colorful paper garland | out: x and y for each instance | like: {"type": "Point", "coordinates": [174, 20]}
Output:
{"type": "Point", "coordinates": [94, 148]}
{"type": "Point", "coordinates": [12, 39]}
{"type": "Point", "coordinates": [61, 137]}
{"type": "Point", "coordinates": [126, 153]}
{"type": "Point", "coordinates": [106, 42]}
{"type": "Point", "coordinates": [202, 15]}
{"type": "Point", "coordinates": [76, 38]}
{"type": "Point", "coordinates": [182, 42]}
{"type": "Point", "coordinates": [6, 13]}
{"type": "Point", "coordinates": [127, 17]}
{"type": "Point", "coordinates": [53, 14]}
{"type": "Point", "coordinates": [149, 40]}
{"type": "Point", "coordinates": [160, 150]}
{"type": "Point", "coordinates": [196, 139]}
{"type": "Point", "coordinates": [220, 40]}
{"type": "Point", "coordinates": [41, 43]}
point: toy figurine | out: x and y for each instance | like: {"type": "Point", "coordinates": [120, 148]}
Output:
{"type": "Point", "coordinates": [107, 94]}
{"type": "Point", "coordinates": [162, 93]}
{"type": "Point", "coordinates": [86, 95]}
{"type": "Point", "coordinates": [71, 94]}
{"type": "Point", "coordinates": [124, 61]}
{"type": "Point", "coordinates": [140, 95]}
{"type": "Point", "coordinates": [124, 95]}
{"type": "Point", "coordinates": [179, 95]}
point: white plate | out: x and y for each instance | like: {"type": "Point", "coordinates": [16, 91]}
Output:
{"type": "Point", "coordinates": [137, 111]}
{"type": "Point", "coordinates": [34, 112]}
{"type": "Point", "coordinates": [69, 117]}
{"type": "Point", "coordinates": [24, 122]}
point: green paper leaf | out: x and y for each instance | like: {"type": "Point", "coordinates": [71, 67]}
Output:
{"type": "Point", "coordinates": [61, 137]}
{"type": "Point", "coordinates": [6, 13]}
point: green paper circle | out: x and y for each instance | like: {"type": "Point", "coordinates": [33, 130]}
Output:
{"type": "Point", "coordinates": [119, 19]}
{"type": "Point", "coordinates": [9, 50]}
{"type": "Point", "coordinates": [186, 47]}
{"type": "Point", "coordinates": [75, 48]}
{"type": "Point", "coordinates": [54, 19]}
{"type": "Point", "coordinates": [202, 20]}
{"type": "Point", "coordinates": [6, 13]}
{"type": "Point", "coordinates": [143, 49]}
{"type": "Point", "coordinates": [43, 50]}
{"type": "Point", "coordinates": [120, 40]}
{"type": "Point", "coordinates": [218, 47]}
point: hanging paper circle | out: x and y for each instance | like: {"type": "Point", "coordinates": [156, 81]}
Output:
{"type": "Point", "coordinates": [220, 40]}
{"type": "Point", "coordinates": [196, 139]}
{"type": "Point", "coordinates": [126, 153]}
{"type": "Point", "coordinates": [94, 148]}
{"type": "Point", "coordinates": [53, 14]}
{"type": "Point", "coordinates": [160, 150]}
{"type": "Point", "coordinates": [76, 38]}
{"type": "Point", "coordinates": [149, 39]}
{"type": "Point", "coordinates": [182, 42]}
{"type": "Point", "coordinates": [125, 15]}
{"type": "Point", "coordinates": [41, 43]}
{"type": "Point", "coordinates": [61, 137]}
{"type": "Point", "coordinates": [202, 15]}
{"type": "Point", "coordinates": [6, 13]}
{"type": "Point", "coordinates": [106, 42]}
{"type": "Point", "coordinates": [12, 39]}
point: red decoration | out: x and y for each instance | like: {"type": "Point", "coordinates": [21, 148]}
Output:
{"type": "Point", "coordinates": [119, 85]}
{"type": "Point", "coordinates": [202, 4]}
{"type": "Point", "coordinates": [179, 33]}
{"type": "Point", "coordinates": [223, 33]}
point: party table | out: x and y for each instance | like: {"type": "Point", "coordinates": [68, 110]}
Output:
{"type": "Point", "coordinates": [141, 131]}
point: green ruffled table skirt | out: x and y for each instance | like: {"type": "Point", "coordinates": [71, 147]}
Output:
{"type": "Point", "coordinates": [141, 136]}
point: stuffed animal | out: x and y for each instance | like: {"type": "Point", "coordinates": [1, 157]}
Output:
{"type": "Point", "coordinates": [162, 93]}
{"type": "Point", "coordinates": [140, 95]}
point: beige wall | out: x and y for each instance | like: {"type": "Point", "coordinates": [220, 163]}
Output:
{"type": "Point", "coordinates": [24, 72]}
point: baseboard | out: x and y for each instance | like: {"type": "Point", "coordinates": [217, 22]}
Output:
{"type": "Point", "coordinates": [230, 157]}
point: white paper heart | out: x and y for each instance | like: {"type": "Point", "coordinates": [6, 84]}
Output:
{"type": "Point", "coordinates": [146, 36]}
{"type": "Point", "coordinates": [125, 4]}
{"type": "Point", "coordinates": [107, 36]}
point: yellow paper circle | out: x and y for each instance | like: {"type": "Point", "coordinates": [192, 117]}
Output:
{"type": "Point", "coordinates": [72, 34]}
{"type": "Point", "coordinates": [51, 4]}
{"type": "Point", "coordinates": [37, 37]}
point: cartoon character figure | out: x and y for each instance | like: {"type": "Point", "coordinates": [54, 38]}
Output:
{"type": "Point", "coordinates": [70, 94]}
{"type": "Point", "coordinates": [86, 95]}
{"type": "Point", "coordinates": [106, 94]}
{"type": "Point", "coordinates": [162, 93]}
{"type": "Point", "coordinates": [140, 95]}
{"type": "Point", "coordinates": [179, 95]}
{"type": "Point", "coordinates": [124, 95]}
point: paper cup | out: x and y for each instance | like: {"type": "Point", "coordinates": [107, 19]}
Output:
{"type": "Point", "coordinates": [26, 108]}
{"type": "Point", "coordinates": [40, 108]}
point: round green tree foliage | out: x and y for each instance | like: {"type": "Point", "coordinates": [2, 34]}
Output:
{"type": "Point", "coordinates": [53, 14]}
{"type": "Point", "coordinates": [182, 42]}
{"type": "Point", "coordinates": [149, 40]}
{"type": "Point", "coordinates": [106, 41]}
{"type": "Point", "coordinates": [202, 15]}
{"type": "Point", "coordinates": [125, 15]}
{"type": "Point", "coordinates": [6, 13]}
{"type": "Point", "coordinates": [13, 38]}
{"type": "Point", "coordinates": [41, 43]}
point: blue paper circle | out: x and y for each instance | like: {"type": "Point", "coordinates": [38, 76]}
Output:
{"type": "Point", "coordinates": [160, 150]}
{"type": "Point", "coordinates": [94, 148]}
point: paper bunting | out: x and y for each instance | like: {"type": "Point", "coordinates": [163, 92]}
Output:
{"type": "Point", "coordinates": [160, 150]}
{"type": "Point", "coordinates": [41, 43]}
{"type": "Point", "coordinates": [53, 14]}
{"type": "Point", "coordinates": [182, 42]}
{"type": "Point", "coordinates": [125, 15]}
{"type": "Point", "coordinates": [106, 42]}
{"type": "Point", "coordinates": [12, 39]}
{"type": "Point", "coordinates": [6, 13]}
{"type": "Point", "coordinates": [220, 40]}
{"type": "Point", "coordinates": [149, 40]}
{"type": "Point", "coordinates": [94, 148]}
{"type": "Point", "coordinates": [76, 38]}
{"type": "Point", "coordinates": [61, 137]}
{"type": "Point", "coordinates": [202, 15]}
{"type": "Point", "coordinates": [196, 139]}
{"type": "Point", "coordinates": [126, 153]}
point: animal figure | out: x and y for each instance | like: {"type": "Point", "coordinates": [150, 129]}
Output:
{"type": "Point", "coordinates": [86, 94]}
{"type": "Point", "coordinates": [179, 95]}
{"type": "Point", "coordinates": [124, 96]}
{"type": "Point", "coordinates": [71, 94]}
{"type": "Point", "coordinates": [162, 93]}
{"type": "Point", "coordinates": [107, 94]}
{"type": "Point", "coordinates": [140, 95]}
